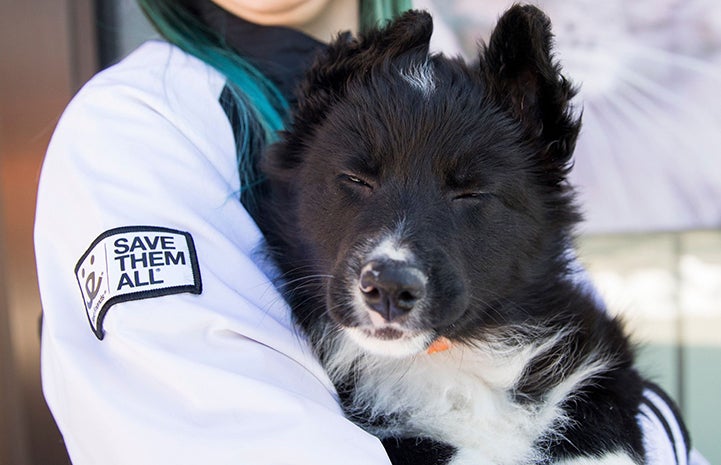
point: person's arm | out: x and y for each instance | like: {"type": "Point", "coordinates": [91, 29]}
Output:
{"type": "Point", "coordinates": [206, 367]}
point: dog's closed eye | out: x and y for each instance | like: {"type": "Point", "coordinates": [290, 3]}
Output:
{"type": "Point", "coordinates": [472, 195]}
{"type": "Point", "coordinates": [356, 181]}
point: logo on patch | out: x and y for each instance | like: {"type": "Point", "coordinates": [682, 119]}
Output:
{"type": "Point", "coordinates": [132, 263]}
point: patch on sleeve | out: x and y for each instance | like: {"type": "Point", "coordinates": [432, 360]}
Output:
{"type": "Point", "coordinates": [132, 263]}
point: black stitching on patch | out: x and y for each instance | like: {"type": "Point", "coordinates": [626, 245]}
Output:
{"type": "Point", "coordinates": [195, 288]}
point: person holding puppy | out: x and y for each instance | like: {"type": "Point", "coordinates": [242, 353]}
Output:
{"type": "Point", "coordinates": [164, 340]}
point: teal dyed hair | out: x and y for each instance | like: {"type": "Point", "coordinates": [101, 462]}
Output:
{"type": "Point", "coordinates": [179, 26]}
{"type": "Point", "coordinates": [377, 12]}
{"type": "Point", "coordinates": [261, 107]}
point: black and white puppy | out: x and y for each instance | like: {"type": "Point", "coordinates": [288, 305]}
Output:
{"type": "Point", "coordinates": [418, 202]}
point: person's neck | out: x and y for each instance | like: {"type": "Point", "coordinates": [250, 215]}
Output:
{"type": "Point", "coordinates": [338, 16]}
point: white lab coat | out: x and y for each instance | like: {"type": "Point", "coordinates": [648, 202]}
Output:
{"type": "Point", "coordinates": [219, 377]}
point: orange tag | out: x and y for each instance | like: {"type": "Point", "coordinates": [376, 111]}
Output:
{"type": "Point", "coordinates": [439, 345]}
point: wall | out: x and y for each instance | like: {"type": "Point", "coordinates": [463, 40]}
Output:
{"type": "Point", "coordinates": [667, 288]}
{"type": "Point", "coordinates": [47, 53]}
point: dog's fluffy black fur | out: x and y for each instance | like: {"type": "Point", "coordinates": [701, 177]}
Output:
{"type": "Point", "coordinates": [416, 198]}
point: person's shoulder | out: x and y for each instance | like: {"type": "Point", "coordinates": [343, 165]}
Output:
{"type": "Point", "coordinates": [157, 66]}
{"type": "Point", "coordinates": [128, 146]}
{"type": "Point", "coordinates": [156, 77]}
{"type": "Point", "coordinates": [141, 130]}
{"type": "Point", "coordinates": [156, 94]}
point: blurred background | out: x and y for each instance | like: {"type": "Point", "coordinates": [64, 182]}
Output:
{"type": "Point", "coordinates": [648, 169]}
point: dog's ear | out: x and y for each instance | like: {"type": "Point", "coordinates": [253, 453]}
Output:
{"type": "Point", "coordinates": [524, 80]}
{"type": "Point", "coordinates": [349, 58]}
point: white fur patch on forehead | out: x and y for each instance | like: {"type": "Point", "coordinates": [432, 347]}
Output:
{"type": "Point", "coordinates": [421, 77]}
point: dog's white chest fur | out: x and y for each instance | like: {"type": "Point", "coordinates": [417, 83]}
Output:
{"type": "Point", "coordinates": [463, 396]}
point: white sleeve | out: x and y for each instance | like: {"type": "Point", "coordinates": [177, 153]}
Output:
{"type": "Point", "coordinates": [665, 437]}
{"type": "Point", "coordinates": [217, 377]}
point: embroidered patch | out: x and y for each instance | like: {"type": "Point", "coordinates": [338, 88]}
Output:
{"type": "Point", "coordinates": [135, 262]}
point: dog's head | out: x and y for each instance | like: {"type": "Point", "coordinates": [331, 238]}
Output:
{"type": "Point", "coordinates": [430, 192]}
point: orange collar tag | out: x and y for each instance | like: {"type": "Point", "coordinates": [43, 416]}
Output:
{"type": "Point", "coordinates": [439, 345]}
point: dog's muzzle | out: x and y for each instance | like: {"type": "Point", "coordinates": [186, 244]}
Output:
{"type": "Point", "coordinates": [392, 288]}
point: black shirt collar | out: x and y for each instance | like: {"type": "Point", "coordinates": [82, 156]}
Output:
{"type": "Point", "coordinates": [282, 54]}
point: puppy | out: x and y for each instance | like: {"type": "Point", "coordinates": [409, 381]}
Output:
{"type": "Point", "coordinates": [419, 212]}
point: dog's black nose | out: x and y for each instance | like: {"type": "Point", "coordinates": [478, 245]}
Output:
{"type": "Point", "coordinates": [392, 288]}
